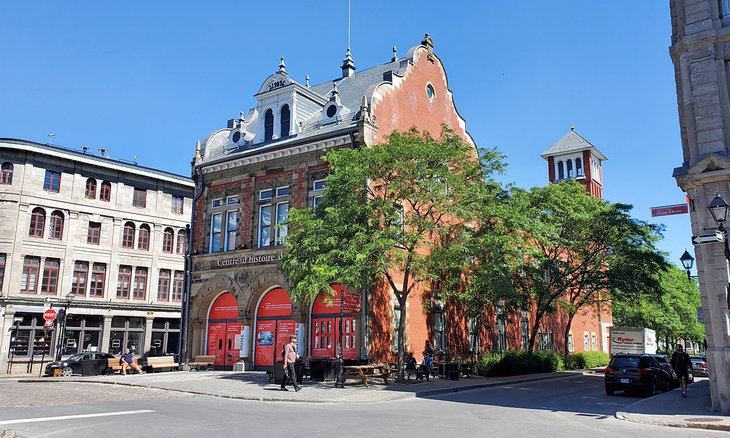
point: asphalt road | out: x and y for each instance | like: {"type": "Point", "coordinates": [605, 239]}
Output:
{"type": "Point", "coordinates": [570, 407]}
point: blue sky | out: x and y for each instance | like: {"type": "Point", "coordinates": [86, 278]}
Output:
{"type": "Point", "coordinates": [147, 79]}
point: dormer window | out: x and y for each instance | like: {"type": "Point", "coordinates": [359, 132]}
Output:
{"type": "Point", "coordinates": [285, 120]}
{"type": "Point", "coordinates": [331, 111]}
{"type": "Point", "coordinates": [578, 167]}
{"type": "Point", "coordinates": [570, 168]}
{"type": "Point", "coordinates": [561, 171]}
{"type": "Point", "coordinates": [268, 125]}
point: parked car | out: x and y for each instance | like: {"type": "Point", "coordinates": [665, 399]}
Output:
{"type": "Point", "coordinates": [700, 366]}
{"type": "Point", "coordinates": [636, 372]}
{"type": "Point", "coordinates": [666, 364]}
{"type": "Point", "coordinates": [87, 364]}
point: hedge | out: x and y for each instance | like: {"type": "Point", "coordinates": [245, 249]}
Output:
{"type": "Point", "coordinates": [511, 363]}
{"type": "Point", "coordinates": [587, 359]}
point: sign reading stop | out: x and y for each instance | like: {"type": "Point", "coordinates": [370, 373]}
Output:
{"type": "Point", "coordinates": [49, 315]}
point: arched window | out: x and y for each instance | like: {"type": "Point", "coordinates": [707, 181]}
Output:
{"type": "Point", "coordinates": [180, 242]}
{"type": "Point", "coordinates": [55, 228]}
{"type": "Point", "coordinates": [167, 240]}
{"type": "Point", "coordinates": [285, 120]}
{"type": "Point", "coordinates": [561, 172]}
{"type": "Point", "coordinates": [268, 125]}
{"type": "Point", "coordinates": [570, 168]}
{"type": "Point", "coordinates": [143, 240]}
{"type": "Point", "coordinates": [128, 235]}
{"type": "Point", "coordinates": [106, 191]}
{"type": "Point", "coordinates": [578, 167]}
{"type": "Point", "coordinates": [6, 177]}
{"type": "Point", "coordinates": [37, 222]}
{"type": "Point", "coordinates": [91, 188]}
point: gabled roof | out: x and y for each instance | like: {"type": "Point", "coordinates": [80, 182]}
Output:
{"type": "Point", "coordinates": [571, 142]}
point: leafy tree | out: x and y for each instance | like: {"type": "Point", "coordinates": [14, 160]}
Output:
{"type": "Point", "coordinates": [385, 209]}
{"type": "Point", "coordinates": [673, 314]}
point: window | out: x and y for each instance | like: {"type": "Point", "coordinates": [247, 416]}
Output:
{"type": "Point", "coordinates": [724, 8]}
{"type": "Point", "coordinates": [264, 225]}
{"type": "Point", "coordinates": [98, 275]}
{"type": "Point", "coordinates": [282, 191]}
{"type": "Point", "coordinates": [524, 330]}
{"type": "Point", "coordinates": [177, 286]}
{"type": "Point", "coordinates": [231, 225]}
{"type": "Point", "coordinates": [578, 167]}
{"type": "Point", "coordinates": [163, 285]}
{"type": "Point", "coordinates": [168, 240]}
{"type": "Point", "coordinates": [318, 189]}
{"type": "Point", "coordinates": [282, 213]}
{"type": "Point", "coordinates": [180, 248]}
{"type": "Point", "coordinates": [501, 334]}
{"type": "Point", "coordinates": [29, 338]}
{"type": "Point", "coordinates": [37, 222]}
{"type": "Point", "coordinates": [139, 199]}
{"type": "Point", "coordinates": [430, 93]}
{"type": "Point", "coordinates": [94, 235]}
{"type": "Point", "coordinates": [140, 283]}
{"type": "Point", "coordinates": [55, 228]}
{"type": "Point", "coordinates": [91, 188]}
{"type": "Point", "coordinates": [561, 171]}
{"type": "Point", "coordinates": [2, 270]}
{"type": "Point", "coordinates": [128, 235]}
{"type": "Point", "coordinates": [177, 204]}
{"type": "Point", "coordinates": [266, 194]}
{"type": "Point", "coordinates": [396, 324]}
{"type": "Point", "coordinates": [570, 343]}
{"type": "Point", "coordinates": [81, 274]}
{"type": "Point", "coordinates": [586, 342]}
{"type": "Point", "coordinates": [124, 281]}
{"type": "Point", "coordinates": [143, 239]}
{"type": "Point", "coordinates": [474, 338]}
{"type": "Point", "coordinates": [127, 332]}
{"type": "Point", "coordinates": [52, 182]}
{"type": "Point", "coordinates": [106, 191]}
{"type": "Point", "coordinates": [83, 334]}
{"type": "Point", "coordinates": [569, 164]}
{"type": "Point", "coordinates": [285, 120]}
{"type": "Point", "coordinates": [215, 232]}
{"type": "Point", "coordinates": [545, 341]}
{"type": "Point", "coordinates": [50, 276]}
{"type": "Point", "coordinates": [216, 203]}
{"type": "Point", "coordinates": [268, 125]}
{"type": "Point", "coordinates": [6, 173]}
{"type": "Point", "coordinates": [437, 323]}
{"type": "Point", "coordinates": [165, 336]}
{"type": "Point", "coordinates": [232, 200]}
{"type": "Point", "coordinates": [594, 342]}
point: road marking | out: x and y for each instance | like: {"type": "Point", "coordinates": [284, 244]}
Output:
{"type": "Point", "coordinates": [71, 417]}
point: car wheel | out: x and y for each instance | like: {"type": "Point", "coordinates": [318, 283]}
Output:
{"type": "Point", "coordinates": [651, 389]}
{"type": "Point", "coordinates": [610, 391]}
{"type": "Point", "coordinates": [67, 372]}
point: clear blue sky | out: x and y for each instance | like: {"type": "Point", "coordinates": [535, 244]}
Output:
{"type": "Point", "coordinates": [148, 78]}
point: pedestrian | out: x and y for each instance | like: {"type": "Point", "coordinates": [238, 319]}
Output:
{"type": "Point", "coordinates": [290, 357]}
{"type": "Point", "coordinates": [428, 354]}
{"type": "Point", "coordinates": [681, 364]}
{"type": "Point", "coordinates": [128, 360]}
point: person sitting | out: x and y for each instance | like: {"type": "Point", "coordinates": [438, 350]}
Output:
{"type": "Point", "coordinates": [411, 362]}
{"type": "Point", "coordinates": [128, 360]}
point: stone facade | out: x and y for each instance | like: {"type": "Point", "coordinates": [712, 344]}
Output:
{"type": "Point", "coordinates": [101, 315]}
{"type": "Point", "coordinates": [700, 52]}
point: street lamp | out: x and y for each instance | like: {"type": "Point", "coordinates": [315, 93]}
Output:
{"type": "Point", "coordinates": [340, 380]}
{"type": "Point", "coordinates": [719, 209]}
{"type": "Point", "coordinates": [687, 261]}
{"type": "Point", "coordinates": [62, 337]}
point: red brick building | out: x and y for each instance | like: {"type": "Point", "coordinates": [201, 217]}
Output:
{"type": "Point", "coordinates": [251, 172]}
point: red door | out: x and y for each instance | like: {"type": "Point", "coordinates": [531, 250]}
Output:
{"type": "Point", "coordinates": [274, 325]}
{"type": "Point", "coordinates": [325, 327]}
{"type": "Point", "coordinates": [222, 330]}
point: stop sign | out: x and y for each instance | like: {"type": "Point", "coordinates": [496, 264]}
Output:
{"type": "Point", "coordinates": [49, 315]}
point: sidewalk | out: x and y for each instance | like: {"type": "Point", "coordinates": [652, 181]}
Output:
{"type": "Point", "coordinates": [669, 409]}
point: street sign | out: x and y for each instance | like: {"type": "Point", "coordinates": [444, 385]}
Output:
{"type": "Point", "coordinates": [716, 236]}
{"type": "Point", "coordinates": [49, 315]}
{"type": "Point", "coordinates": [700, 317]}
{"type": "Point", "coordinates": [666, 210]}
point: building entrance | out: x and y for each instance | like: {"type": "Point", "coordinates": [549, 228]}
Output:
{"type": "Point", "coordinates": [325, 325]}
{"type": "Point", "coordinates": [224, 331]}
{"type": "Point", "coordinates": [274, 325]}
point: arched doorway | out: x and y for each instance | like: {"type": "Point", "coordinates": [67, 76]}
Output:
{"type": "Point", "coordinates": [325, 324]}
{"type": "Point", "coordinates": [224, 330]}
{"type": "Point", "coordinates": [274, 325]}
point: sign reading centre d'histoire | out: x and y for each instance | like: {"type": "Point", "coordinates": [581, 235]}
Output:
{"type": "Point", "coordinates": [230, 262]}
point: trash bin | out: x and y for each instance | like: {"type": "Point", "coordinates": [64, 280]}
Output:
{"type": "Point", "coordinates": [442, 370]}
{"type": "Point", "coordinates": [452, 371]}
{"type": "Point", "coordinates": [322, 369]}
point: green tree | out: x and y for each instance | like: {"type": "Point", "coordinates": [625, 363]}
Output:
{"type": "Point", "coordinates": [673, 314]}
{"type": "Point", "coordinates": [385, 209]}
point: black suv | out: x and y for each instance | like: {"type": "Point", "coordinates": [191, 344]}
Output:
{"type": "Point", "coordinates": [640, 372]}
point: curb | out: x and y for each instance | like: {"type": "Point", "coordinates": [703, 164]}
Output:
{"type": "Point", "coordinates": [484, 385]}
{"type": "Point", "coordinates": [647, 419]}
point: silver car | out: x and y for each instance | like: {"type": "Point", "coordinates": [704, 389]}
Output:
{"type": "Point", "coordinates": [700, 366]}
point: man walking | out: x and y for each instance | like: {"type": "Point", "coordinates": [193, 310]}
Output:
{"type": "Point", "coordinates": [681, 364]}
{"type": "Point", "coordinates": [290, 357]}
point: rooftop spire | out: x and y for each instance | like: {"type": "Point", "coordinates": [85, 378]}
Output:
{"type": "Point", "coordinates": [348, 64]}
{"type": "Point", "coordinates": [282, 66]}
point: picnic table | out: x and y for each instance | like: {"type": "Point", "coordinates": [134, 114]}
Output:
{"type": "Point", "coordinates": [364, 372]}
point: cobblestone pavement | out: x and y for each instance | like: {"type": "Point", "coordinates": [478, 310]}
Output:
{"type": "Point", "coordinates": [41, 394]}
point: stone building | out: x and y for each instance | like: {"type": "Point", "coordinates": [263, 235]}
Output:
{"type": "Point", "coordinates": [98, 240]}
{"type": "Point", "coordinates": [700, 52]}
{"type": "Point", "coordinates": [250, 173]}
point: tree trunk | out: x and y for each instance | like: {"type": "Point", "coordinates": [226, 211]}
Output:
{"type": "Point", "coordinates": [535, 326]}
{"type": "Point", "coordinates": [402, 339]}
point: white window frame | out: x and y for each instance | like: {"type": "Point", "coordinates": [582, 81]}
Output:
{"type": "Point", "coordinates": [263, 227]}
{"type": "Point", "coordinates": [220, 231]}
{"type": "Point", "coordinates": [265, 195]}
{"type": "Point", "coordinates": [230, 244]}
{"type": "Point", "coordinates": [232, 200]}
{"type": "Point", "coordinates": [282, 191]}
{"type": "Point", "coordinates": [281, 228]}
{"type": "Point", "coordinates": [216, 203]}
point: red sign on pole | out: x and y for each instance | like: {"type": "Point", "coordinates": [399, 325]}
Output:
{"type": "Point", "coordinates": [49, 315]}
{"type": "Point", "coordinates": [667, 210]}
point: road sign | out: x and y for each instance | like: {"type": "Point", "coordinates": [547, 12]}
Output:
{"type": "Point", "coordinates": [716, 236]}
{"type": "Point", "coordinates": [666, 210]}
{"type": "Point", "coordinates": [49, 315]}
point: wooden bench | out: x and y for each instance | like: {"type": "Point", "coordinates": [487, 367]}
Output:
{"type": "Point", "coordinates": [364, 372]}
{"type": "Point", "coordinates": [419, 372]}
{"type": "Point", "coordinates": [114, 364]}
{"type": "Point", "coordinates": [161, 362]}
{"type": "Point", "coordinates": [202, 361]}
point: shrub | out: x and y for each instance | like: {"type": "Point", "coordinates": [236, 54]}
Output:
{"type": "Point", "coordinates": [587, 359]}
{"type": "Point", "coordinates": [512, 363]}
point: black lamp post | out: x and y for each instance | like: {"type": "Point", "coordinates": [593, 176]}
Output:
{"type": "Point", "coordinates": [62, 338]}
{"type": "Point", "coordinates": [719, 209]}
{"type": "Point", "coordinates": [340, 381]}
{"type": "Point", "coordinates": [687, 261]}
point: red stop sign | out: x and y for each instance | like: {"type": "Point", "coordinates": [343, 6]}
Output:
{"type": "Point", "coordinates": [49, 315]}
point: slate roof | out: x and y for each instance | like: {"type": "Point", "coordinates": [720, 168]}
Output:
{"type": "Point", "coordinates": [571, 142]}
